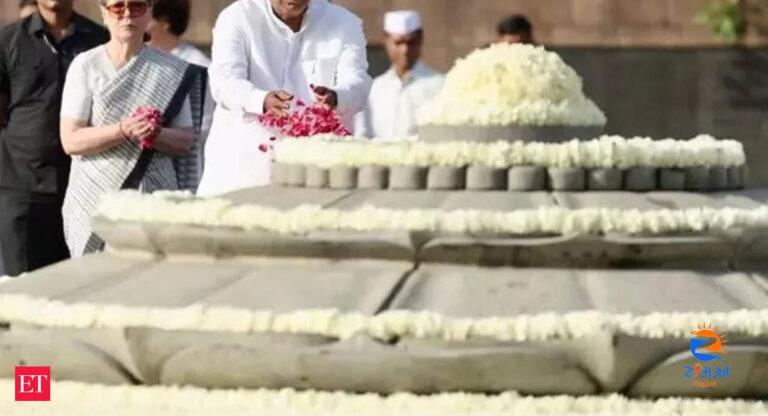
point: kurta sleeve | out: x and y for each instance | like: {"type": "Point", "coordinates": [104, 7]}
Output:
{"type": "Point", "coordinates": [352, 80]}
{"type": "Point", "coordinates": [363, 122]}
{"type": "Point", "coordinates": [230, 86]}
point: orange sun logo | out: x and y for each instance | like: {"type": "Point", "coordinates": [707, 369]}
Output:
{"type": "Point", "coordinates": [707, 338]}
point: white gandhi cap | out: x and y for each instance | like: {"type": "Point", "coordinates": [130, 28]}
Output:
{"type": "Point", "coordinates": [402, 22]}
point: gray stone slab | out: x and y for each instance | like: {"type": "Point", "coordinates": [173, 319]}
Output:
{"type": "Point", "coordinates": [68, 358]}
{"type": "Point", "coordinates": [152, 348]}
{"type": "Point", "coordinates": [446, 200]}
{"type": "Point", "coordinates": [281, 285]}
{"type": "Point", "coordinates": [649, 291]}
{"type": "Point", "coordinates": [111, 344]}
{"type": "Point", "coordinates": [470, 291]}
{"type": "Point", "coordinates": [498, 201]}
{"type": "Point", "coordinates": [221, 243]}
{"type": "Point", "coordinates": [620, 200]}
{"type": "Point", "coordinates": [672, 251]}
{"type": "Point", "coordinates": [393, 200]}
{"type": "Point", "coordinates": [520, 251]}
{"type": "Point", "coordinates": [656, 200]}
{"type": "Point", "coordinates": [170, 283]}
{"type": "Point", "coordinates": [67, 279]}
{"type": "Point", "coordinates": [286, 285]}
{"type": "Point", "coordinates": [747, 376]}
{"type": "Point", "coordinates": [756, 194]}
{"type": "Point", "coordinates": [290, 197]}
{"type": "Point", "coordinates": [286, 197]}
{"type": "Point", "coordinates": [370, 366]}
{"type": "Point", "coordinates": [685, 200]}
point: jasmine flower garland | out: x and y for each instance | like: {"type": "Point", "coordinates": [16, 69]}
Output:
{"type": "Point", "coordinates": [71, 398]}
{"type": "Point", "coordinates": [603, 152]}
{"type": "Point", "coordinates": [218, 212]}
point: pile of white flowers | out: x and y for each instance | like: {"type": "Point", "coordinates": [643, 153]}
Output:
{"type": "Point", "coordinates": [388, 325]}
{"type": "Point", "coordinates": [602, 152]}
{"type": "Point", "coordinates": [78, 399]}
{"type": "Point", "coordinates": [512, 85]}
{"type": "Point", "coordinates": [183, 209]}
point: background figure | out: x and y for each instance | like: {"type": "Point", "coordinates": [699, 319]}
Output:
{"type": "Point", "coordinates": [27, 8]}
{"type": "Point", "coordinates": [35, 54]}
{"type": "Point", "coordinates": [515, 29]}
{"type": "Point", "coordinates": [266, 53]}
{"type": "Point", "coordinates": [170, 19]}
{"type": "Point", "coordinates": [397, 95]}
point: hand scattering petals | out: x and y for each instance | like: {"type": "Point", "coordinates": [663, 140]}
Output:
{"type": "Point", "coordinates": [305, 121]}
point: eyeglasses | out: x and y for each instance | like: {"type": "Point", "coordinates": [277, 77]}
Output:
{"type": "Point", "coordinates": [135, 8]}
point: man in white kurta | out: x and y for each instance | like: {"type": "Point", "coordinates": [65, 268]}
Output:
{"type": "Point", "coordinates": [263, 62]}
{"type": "Point", "coordinates": [398, 95]}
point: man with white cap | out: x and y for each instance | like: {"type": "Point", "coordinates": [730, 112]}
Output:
{"type": "Point", "coordinates": [267, 55]}
{"type": "Point", "coordinates": [397, 95]}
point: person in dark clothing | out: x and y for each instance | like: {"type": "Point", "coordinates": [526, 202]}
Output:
{"type": "Point", "coordinates": [515, 29]}
{"type": "Point", "coordinates": [35, 53]}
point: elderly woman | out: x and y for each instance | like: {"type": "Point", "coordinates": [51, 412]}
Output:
{"type": "Point", "coordinates": [101, 129]}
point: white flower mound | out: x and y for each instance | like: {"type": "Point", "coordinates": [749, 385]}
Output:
{"type": "Point", "coordinates": [304, 219]}
{"type": "Point", "coordinates": [602, 152]}
{"type": "Point", "coordinates": [385, 326]}
{"type": "Point", "coordinates": [505, 85]}
{"type": "Point", "coordinates": [77, 399]}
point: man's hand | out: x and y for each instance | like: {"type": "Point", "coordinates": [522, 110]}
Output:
{"type": "Point", "coordinates": [326, 97]}
{"type": "Point", "coordinates": [277, 103]}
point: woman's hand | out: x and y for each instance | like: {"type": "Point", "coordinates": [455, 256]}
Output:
{"type": "Point", "coordinates": [136, 128]}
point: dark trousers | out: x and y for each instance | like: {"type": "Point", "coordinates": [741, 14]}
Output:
{"type": "Point", "coordinates": [31, 231]}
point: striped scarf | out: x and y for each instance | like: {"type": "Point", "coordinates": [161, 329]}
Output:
{"type": "Point", "coordinates": [154, 79]}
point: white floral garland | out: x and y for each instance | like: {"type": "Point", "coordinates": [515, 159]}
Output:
{"type": "Point", "coordinates": [602, 152]}
{"type": "Point", "coordinates": [184, 209]}
{"type": "Point", "coordinates": [512, 85]}
{"type": "Point", "coordinates": [78, 399]}
{"type": "Point", "coordinates": [385, 326]}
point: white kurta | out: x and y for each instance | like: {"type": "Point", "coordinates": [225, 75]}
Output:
{"type": "Point", "coordinates": [394, 103]}
{"type": "Point", "coordinates": [254, 52]}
